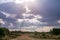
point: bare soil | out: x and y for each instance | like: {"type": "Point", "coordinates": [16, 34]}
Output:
{"type": "Point", "coordinates": [26, 37]}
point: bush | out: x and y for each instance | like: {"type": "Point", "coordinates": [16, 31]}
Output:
{"type": "Point", "coordinates": [55, 31]}
{"type": "Point", "coordinates": [3, 32]}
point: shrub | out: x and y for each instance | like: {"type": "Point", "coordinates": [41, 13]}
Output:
{"type": "Point", "coordinates": [55, 31]}
{"type": "Point", "coordinates": [3, 32]}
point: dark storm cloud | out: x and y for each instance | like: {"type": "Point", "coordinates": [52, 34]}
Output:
{"type": "Point", "coordinates": [50, 10]}
{"type": "Point", "coordinates": [2, 16]}
{"type": "Point", "coordinates": [12, 8]}
{"type": "Point", "coordinates": [19, 16]}
{"type": "Point", "coordinates": [7, 20]}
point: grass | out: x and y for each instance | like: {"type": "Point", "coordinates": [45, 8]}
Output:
{"type": "Point", "coordinates": [36, 35]}
{"type": "Point", "coordinates": [44, 36]}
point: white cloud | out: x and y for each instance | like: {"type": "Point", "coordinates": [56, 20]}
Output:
{"type": "Point", "coordinates": [26, 15]}
{"type": "Point", "coordinates": [5, 1]}
{"type": "Point", "coordinates": [9, 15]}
{"type": "Point", "coordinates": [29, 29]}
{"type": "Point", "coordinates": [1, 21]}
{"type": "Point", "coordinates": [30, 14]}
{"type": "Point", "coordinates": [44, 29]}
{"type": "Point", "coordinates": [19, 20]}
{"type": "Point", "coordinates": [29, 22]}
{"type": "Point", "coordinates": [32, 29]}
{"type": "Point", "coordinates": [11, 25]}
{"type": "Point", "coordinates": [35, 28]}
{"type": "Point", "coordinates": [27, 9]}
{"type": "Point", "coordinates": [47, 29]}
{"type": "Point", "coordinates": [58, 21]}
{"type": "Point", "coordinates": [14, 29]}
{"type": "Point", "coordinates": [34, 20]}
{"type": "Point", "coordinates": [19, 1]}
{"type": "Point", "coordinates": [38, 16]}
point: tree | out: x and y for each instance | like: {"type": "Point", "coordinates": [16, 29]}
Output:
{"type": "Point", "coordinates": [3, 32]}
{"type": "Point", "coordinates": [55, 31]}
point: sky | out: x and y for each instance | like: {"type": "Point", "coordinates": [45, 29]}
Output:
{"type": "Point", "coordinates": [30, 15]}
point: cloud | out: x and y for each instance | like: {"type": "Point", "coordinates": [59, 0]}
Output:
{"type": "Point", "coordinates": [33, 29]}
{"type": "Point", "coordinates": [9, 15]}
{"type": "Point", "coordinates": [6, 14]}
{"type": "Point", "coordinates": [2, 16]}
{"type": "Point", "coordinates": [6, 19]}
{"type": "Point", "coordinates": [12, 8]}
{"type": "Point", "coordinates": [44, 29]}
{"type": "Point", "coordinates": [30, 22]}
{"type": "Point", "coordinates": [58, 21]}
{"type": "Point", "coordinates": [31, 16]}
{"type": "Point", "coordinates": [42, 13]}
{"type": "Point", "coordinates": [5, 1]}
{"type": "Point", "coordinates": [1, 21]}
{"type": "Point", "coordinates": [49, 10]}
{"type": "Point", "coordinates": [9, 12]}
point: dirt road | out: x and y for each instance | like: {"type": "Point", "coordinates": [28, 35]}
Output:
{"type": "Point", "coordinates": [26, 37]}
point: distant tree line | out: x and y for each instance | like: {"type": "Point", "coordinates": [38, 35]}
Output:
{"type": "Point", "coordinates": [55, 31]}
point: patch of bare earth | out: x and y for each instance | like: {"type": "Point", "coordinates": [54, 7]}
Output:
{"type": "Point", "coordinates": [24, 37]}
